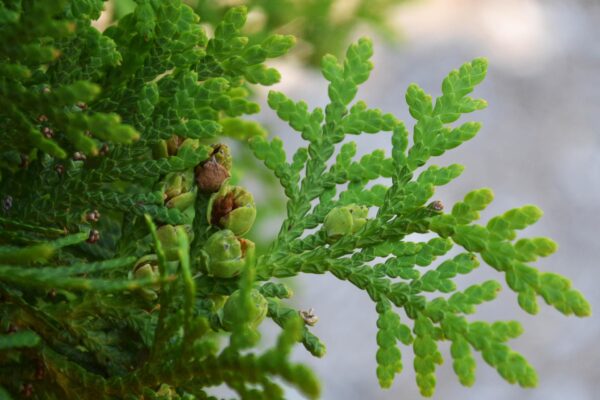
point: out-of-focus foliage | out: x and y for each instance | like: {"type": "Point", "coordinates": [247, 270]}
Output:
{"type": "Point", "coordinates": [321, 26]}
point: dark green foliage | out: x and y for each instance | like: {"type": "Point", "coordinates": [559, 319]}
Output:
{"type": "Point", "coordinates": [85, 117]}
{"type": "Point", "coordinates": [109, 284]}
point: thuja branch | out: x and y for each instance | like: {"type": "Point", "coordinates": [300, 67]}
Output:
{"type": "Point", "coordinates": [126, 268]}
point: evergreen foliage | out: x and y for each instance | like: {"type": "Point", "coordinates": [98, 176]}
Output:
{"type": "Point", "coordinates": [322, 26]}
{"type": "Point", "coordinates": [124, 273]}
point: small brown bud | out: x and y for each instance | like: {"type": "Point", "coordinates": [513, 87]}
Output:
{"type": "Point", "coordinates": [27, 390]}
{"type": "Point", "coordinates": [60, 169]}
{"type": "Point", "coordinates": [93, 216]}
{"type": "Point", "coordinates": [222, 207]}
{"type": "Point", "coordinates": [210, 176]}
{"type": "Point", "coordinates": [78, 156]}
{"type": "Point", "coordinates": [104, 149]}
{"type": "Point", "coordinates": [309, 316]}
{"type": "Point", "coordinates": [436, 205]}
{"type": "Point", "coordinates": [94, 236]}
{"type": "Point", "coordinates": [40, 370]}
{"type": "Point", "coordinates": [48, 132]}
{"type": "Point", "coordinates": [82, 105]}
{"type": "Point", "coordinates": [233, 208]}
{"type": "Point", "coordinates": [42, 118]}
{"type": "Point", "coordinates": [173, 144]}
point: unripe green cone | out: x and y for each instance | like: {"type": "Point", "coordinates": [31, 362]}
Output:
{"type": "Point", "coordinates": [345, 220]}
{"type": "Point", "coordinates": [180, 193]}
{"type": "Point", "coordinates": [147, 267]}
{"type": "Point", "coordinates": [167, 234]}
{"type": "Point", "coordinates": [226, 254]}
{"type": "Point", "coordinates": [174, 185]}
{"type": "Point", "coordinates": [234, 308]}
{"type": "Point", "coordinates": [232, 208]}
{"type": "Point", "coordinates": [182, 201]}
{"type": "Point", "coordinates": [240, 220]}
{"type": "Point", "coordinates": [177, 183]}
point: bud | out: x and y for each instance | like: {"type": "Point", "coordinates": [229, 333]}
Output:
{"type": "Point", "coordinates": [167, 234]}
{"type": "Point", "coordinates": [147, 267]}
{"type": "Point", "coordinates": [173, 144]}
{"type": "Point", "coordinates": [92, 216]}
{"type": "Point", "coordinates": [436, 206]}
{"type": "Point", "coordinates": [177, 192]}
{"type": "Point", "coordinates": [26, 390]}
{"type": "Point", "coordinates": [234, 307]}
{"type": "Point", "coordinates": [309, 317]}
{"type": "Point", "coordinates": [79, 156]}
{"type": "Point", "coordinates": [345, 220]}
{"type": "Point", "coordinates": [104, 149]}
{"type": "Point", "coordinates": [226, 254]}
{"type": "Point", "coordinates": [93, 237]}
{"type": "Point", "coordinates": [182, 202]}
{"type": "Point", "coordinates": [211, 174]}
{"type": "Point", "coordinates": [40, 370]}
{"type": "Point", "coordinates": [232, 208]}
{"type": "Point", "coordinates": [174, 185]}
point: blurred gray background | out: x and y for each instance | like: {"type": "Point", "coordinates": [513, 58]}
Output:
{"type": "Point", "coordinates": [540, 144]}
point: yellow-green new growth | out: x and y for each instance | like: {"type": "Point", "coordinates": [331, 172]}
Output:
{"type": "Point", "coordinates": [255, 314]}
{"type": "Point", "coordinates": [232, 208]}
{"type": "Point", "coordinates": [345, 220]}
{"type": "Point", "coordinates": [147, 268]}
{"type": "Point", "coordinates": [226, 254]}
{"type": "Point", "coordinates": [348, 243]}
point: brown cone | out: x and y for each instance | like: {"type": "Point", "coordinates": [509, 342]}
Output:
{"type": "Point", "coordinates": [210, 176]}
